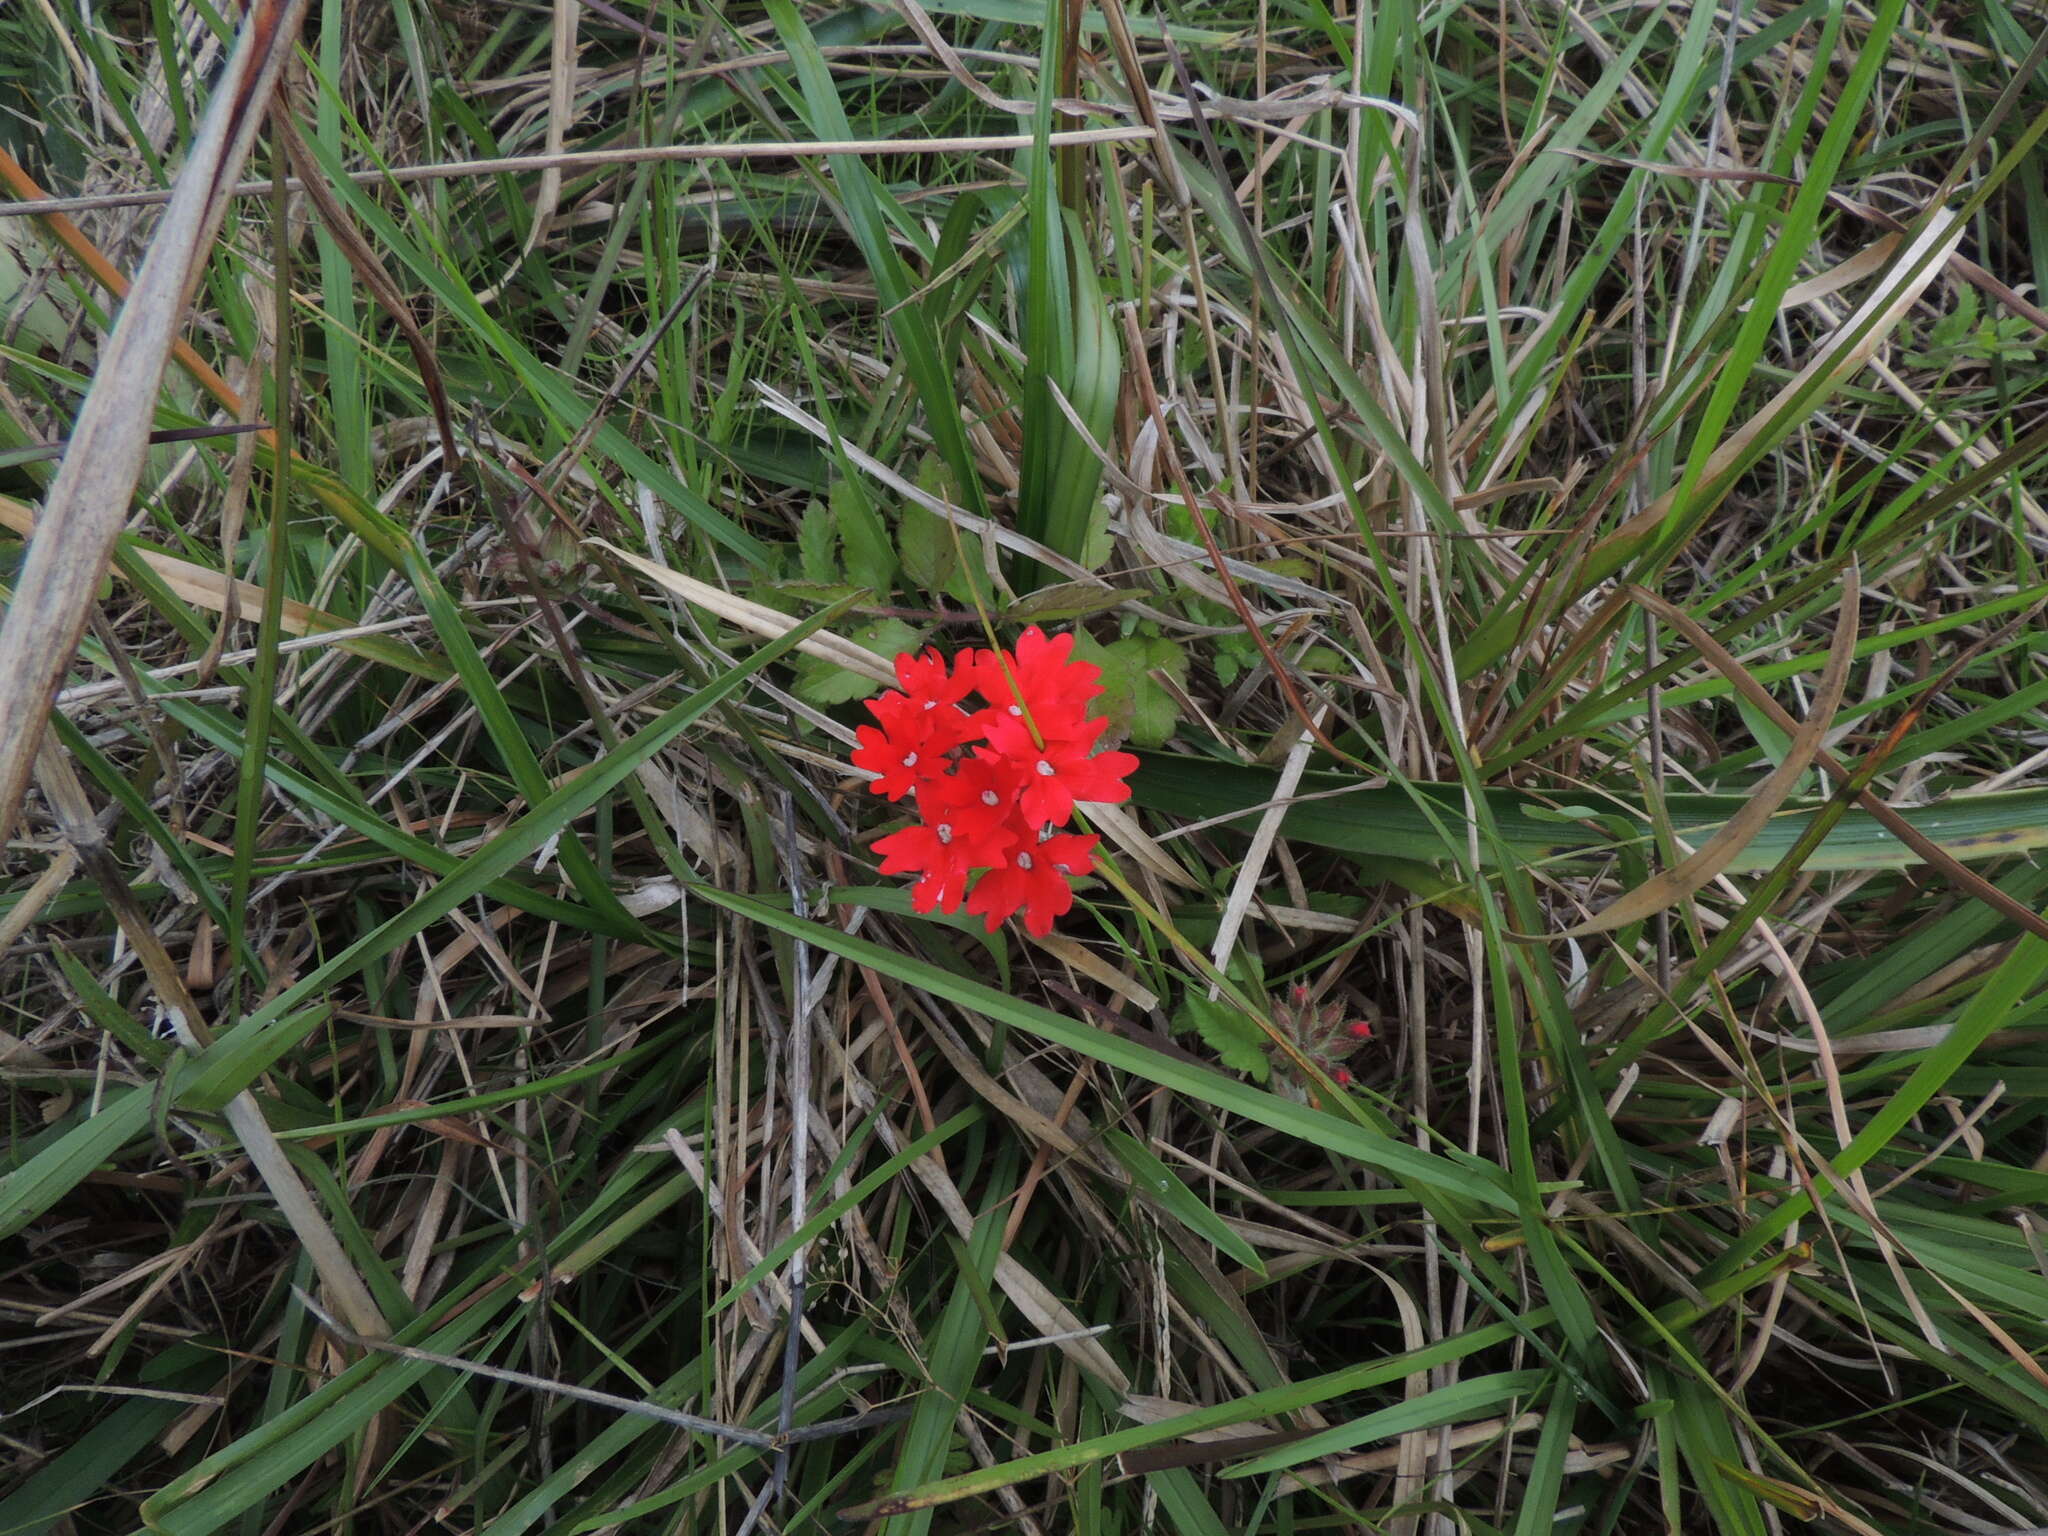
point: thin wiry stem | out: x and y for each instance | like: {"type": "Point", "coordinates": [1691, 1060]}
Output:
{"type": "Point", "coordinates": [696, 1423]}
{"type": "Point", "coordinates": [799, 1054]}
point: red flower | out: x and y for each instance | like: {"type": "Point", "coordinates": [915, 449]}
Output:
{"type": "Point", "coordinates": [1035, 692]}
{"type": "Point", "coordinates": [1039, 670]}
{"type": "Point", "coordinates": [995, 806]}
{"type": "Point", "coordinates": [979, 798]}
{"type": "Point", "coordinates": [926, 679]}
{"type": "Point", "coordinates": [1035, 880]}
{"type": "Point", "coordinates": [933, 850]}
{"type": "Point", "coordinates": [1038, 717]}
{"type": "Point", "coordinates": [969, 824]}
{"type": "Point", "coordinates": [917, 727]}
{"type": "Point", "coordinates": [1067, 768]}
{"type": "Point", "coordinates": [897, 762]}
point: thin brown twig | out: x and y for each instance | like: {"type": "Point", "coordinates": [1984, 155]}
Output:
{"type": "Point", "coordinates": [600, 159]}
{"type": "Point", "coordinates": [851, 1424]}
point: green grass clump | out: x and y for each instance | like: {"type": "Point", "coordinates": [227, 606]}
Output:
{"type": "Point", "coordinates": [1554, 494]}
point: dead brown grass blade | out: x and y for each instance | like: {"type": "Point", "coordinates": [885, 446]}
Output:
{"type": "Point", "coordinates": [49, 212]}
{"type": "Point", "coordinates": [561, 100]}
{"type": "Point", "coordinates": [1958, 263]}
{"type": "Point", "coordinates": [574, 160]}
{"type": "Point", "coordinates": [197, 584]}
{"type": "Point", "coordinates": [1668, 887]}
{"type": "Point", "coordinates": [1951, 869]}
{"type": "Point", "coordinates": [371, 271]}
{"type": "Point", "coordinates": [88, 501]}
{"type": "Point", "coordinates": [1169, 458]}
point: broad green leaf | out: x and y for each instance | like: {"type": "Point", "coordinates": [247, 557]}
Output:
{"type": "Point", "coordinates": [1251, 1409]}
{"type": "Point", "coordinates": [1475, 1397]}
{"type": "Point", "coordinates": [1452, 1184]}
{"type": "Point", "coordinates": [1067, 602]}
{"type": "Point", "coordinates": [1426, 822]}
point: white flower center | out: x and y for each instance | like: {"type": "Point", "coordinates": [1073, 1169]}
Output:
{"type": "Point", "coordinates": [1044, 769]}
{"type": "Point", "coordinates": [910, 759]}
{"type": "Point", "coordinates": [943, 832]}
{"type": "Point", "coordinates": [1024, 861]}
{"type": "Point", "coordinates": [990, 797]}
{"type": "Point", "coordinates": [931, 703]}
{"type": "Point", "coordinates": [1016, 709]}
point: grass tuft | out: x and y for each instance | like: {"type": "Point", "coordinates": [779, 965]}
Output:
{"type": "Point", "coordinates": [1555, 1041]}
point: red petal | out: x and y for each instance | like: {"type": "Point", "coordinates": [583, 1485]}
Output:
{"type": "Point", "coordinates": [1047, 905]}
{"type": "Point", "coordinates": [892, 709]}
{"type": "Point", "coordinates": [998, 894]}
{"type": "Point", "coordinates": [1100, 778]}
{"type": "Point", "coordinates": [1046, 800]}
{"type": "Point", "coordinates": [883, 756]}
{"type": "Point", "coordinates": [1063, 729]}
{"type": "Point", "coordinates": [944, 889]}
{"type": "Point", "coordinates": [908, 851]}
{"type": "Point", "coordinates": [1070, 854]}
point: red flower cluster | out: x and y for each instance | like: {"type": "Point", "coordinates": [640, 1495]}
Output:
{"type": "Point", "coordinates": [992, 784]}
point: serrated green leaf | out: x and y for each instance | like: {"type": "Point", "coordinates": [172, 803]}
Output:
{"type": "Point", "coordinates": [814, 542]}
{"type": "Point", "coordinates": [823, 682]}
{"type": "Point", "coordinates": [1238, 1042]}
{"type": "Point", "coordinates": [1153, 715]}
{"type": "Point", "coordinates": [870, 562]}
{"type": "Point", "coordinates": [926, 546]}
{"type": "Point", "coordinates": [819, 681]}
{"type": "Point", "coordinates": [1137, 707]}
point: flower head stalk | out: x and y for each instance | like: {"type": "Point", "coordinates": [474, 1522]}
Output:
{"type": "Point", "coordinates": [1323, 1032]}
